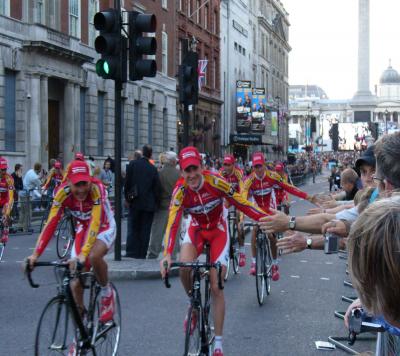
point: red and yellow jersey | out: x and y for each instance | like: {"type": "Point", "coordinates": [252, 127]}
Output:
{"type": "Point", "coordinates": [280, 194]}
{"type": "Point", "coordinates": [93, 213]}
{"type": "Point", "coordinates": [261, 189]}
{"type": "Point", "coordinates": [6, 193]}
{"type": "Point", "coordinates": [205, 205]}
{"type": "Point", "coordinates": [235, 178]}
{"type": "Point", "coordinates": [54, 176]}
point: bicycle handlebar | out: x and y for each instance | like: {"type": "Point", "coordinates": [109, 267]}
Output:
{"type": "Point", "coordinates": [194, 265]}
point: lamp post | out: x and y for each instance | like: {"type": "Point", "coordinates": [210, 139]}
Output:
{"type": "Point", "coordinates": [386, 118]}
{"type": "Point", "coordinates": [278, 99]}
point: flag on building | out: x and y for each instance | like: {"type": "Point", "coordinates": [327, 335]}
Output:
{"type": "Point", "coordinates": [201, 69]}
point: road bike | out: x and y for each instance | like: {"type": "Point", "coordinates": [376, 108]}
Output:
{"type": "Point", "coordinates": [199, 340]}
{"type": "Point", "coordinates": [263, 264]}
{"type": "Point", "coordinates": [61, 324]}
{"type": "Point", "coordinates": [233, 261]}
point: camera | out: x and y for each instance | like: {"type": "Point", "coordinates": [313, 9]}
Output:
{"type": "Point", "coordinates": [331, 243]}
{"type": "Point", "coordinates": [28, 95]}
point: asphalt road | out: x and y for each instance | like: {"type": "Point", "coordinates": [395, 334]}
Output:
{"type": "Point", "coordinates": [298, 312]}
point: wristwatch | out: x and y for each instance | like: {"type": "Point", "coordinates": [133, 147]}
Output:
{"type": "Point", "coordinates": [292, 223]}
{"type": "Point", "coordinates": [309, 243]}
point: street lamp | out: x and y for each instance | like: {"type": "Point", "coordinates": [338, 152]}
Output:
{"type": "Point", "coordinates": [278, 99]}
{"type": "Point", "coordinates": [386, 117]}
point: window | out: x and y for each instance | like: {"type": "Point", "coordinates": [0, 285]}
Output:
{"type": "Point", "coordinates": [165, 128]}
{"type": "Point", "coordinates": [10, 137]}
{"type": "Point", "coordinates": [215, 23]}
{"type": "Point", "coordinates": [100, 123]}
{"type": "Point", "coordinates": [189, 8]}
{"type": "Point", "coordinates": [164, 54]}
{"type": "Point", "coordinates": [236, 46]}
{"type": "Point", "coordinates": [180, 5]}
{"type": "Point", "coordinates": [136, 119]}
{"type": "Point", "coordinates": [244, 51]}
{"type": "Point", "coordinates": [198, 12]}
{"type": "Point", "coordinates": [5, 7]}
{"type": "Point", "coordinates": [206, 17]}
{"type": "Point", "coordinates": [82, 112]}
{"type": "Point", "coordinates": [240, 49]}
{"type": "Point", "coordinates": [93, 8]}
{"type": "Point", "coordinates": [40, 12]}
{"type": "Point", "coordinates": [207, 73]}
{"type": "Point", "coordinates": [74, 18]}
{"type": "Point", "coordinates": [164, 4]}
{"type": "Point", "coordinates": [214, 72]}
{"type": "Point", "coordinates": [150, 124]}
{"type": "Point", "coordinates": [180, 51]}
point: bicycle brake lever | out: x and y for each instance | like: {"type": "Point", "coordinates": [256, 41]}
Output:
{"type": "Point", "coordinates": [28, 271]}
{"type": "Point", "coordinates": [166, 280]}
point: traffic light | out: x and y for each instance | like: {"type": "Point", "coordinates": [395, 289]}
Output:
{"type": "Point", "coordinates": [188, 79]}
{"type": "Point", "coordinates": [140, 45]}
{"type": "Point", "coordinates": [111, 45]}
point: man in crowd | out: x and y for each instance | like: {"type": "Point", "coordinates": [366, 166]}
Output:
{"type": "Point", "coordinates": [142, 193]}
{"type": "Point", "coordinates": [169, 175]}
{"type": "Point", "coordinates": [107, 176]}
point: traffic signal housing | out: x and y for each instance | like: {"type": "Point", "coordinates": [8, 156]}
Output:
{"type": "Point", "coordinates": [140, 45]}
{"type": "Point", "coordinates": [111, 45]}
{"type": "Point", "coordinates": [188, 79]}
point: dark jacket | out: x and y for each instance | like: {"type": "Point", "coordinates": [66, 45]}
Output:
{"type": "Point", "coordinates": [142, 174]}
{"type": "Point", "coordinates": [168, 177]}
{"type": "Point", "coordinates": [18, 183]}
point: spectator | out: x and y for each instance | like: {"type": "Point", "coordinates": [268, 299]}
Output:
{"type": "Point", "coordinates": [168, 177]}
{"type": "Point", "coordinates": [107, 176]}
{"type": "Point", "coordinates": [142, 192]}
{"type": "Point", "coordinates": [92, 165]}
{"type": "Point", "coordinates": [112, 163]}
{"type": "Point", "coordinates": [32, 191]}
{"type": "Point", "coordinates": [19, 186]}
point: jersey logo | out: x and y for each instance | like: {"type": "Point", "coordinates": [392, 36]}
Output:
{"type": "Point", "coordinates": [231, 191]}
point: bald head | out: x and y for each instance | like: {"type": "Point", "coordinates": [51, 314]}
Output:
{"type": "Point", "coordinates": [349, 175]}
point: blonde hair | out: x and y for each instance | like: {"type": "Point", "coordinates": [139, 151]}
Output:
{"type": "Point", "coordinates": [374, 257]}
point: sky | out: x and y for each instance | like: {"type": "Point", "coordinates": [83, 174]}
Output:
{"type": "Point", "coordinates": [324, 35]}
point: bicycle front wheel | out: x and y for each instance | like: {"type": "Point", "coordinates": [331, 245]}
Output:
{"type": "Point", "coordinates": [2, 248]}
{"type": "Point", "coordinates": [268, 266]}
{"type": "Point", "coordinates": [193, 332]}
{"type": "Point", "coordinates": [106, 336]}
{"type": "Point", "coordinates": [55, 333]}
{"type": "Point", "coordinates": [65, 238]}
{"type": "Point", "coordinates": [260, 270]}
{"type": "Point", "coordinates": [235, 250]}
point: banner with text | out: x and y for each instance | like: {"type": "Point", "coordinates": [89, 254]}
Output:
{"type": "Point", "coordinates": [243, 106]}
{"type": "Point", "coordinates": [274, 123]}
{"type": "Point", "coordinates": [258, 110]}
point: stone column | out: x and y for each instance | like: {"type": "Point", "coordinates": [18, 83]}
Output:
{"type": "Point", "coordinates": [69, 122]}
{"type": "Point", "coordinates": [77, 118]}
{"type": "Point", "coordinates": [44, 123]}
{"type": "Point", "coordinates": [363, 47]}
{"type": "Point", "coordinates": [35, 137]}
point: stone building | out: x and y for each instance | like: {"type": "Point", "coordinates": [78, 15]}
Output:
{"type": "Point", "coordinates": [53, 104]}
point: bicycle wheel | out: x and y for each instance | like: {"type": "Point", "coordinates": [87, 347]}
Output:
{"type": "Point", "coordinates": [106, 336]}
{"type": "Point", "coordinates": [55, 333]}
{"type": "Point", "coordinates": [268, 265]}
{"type": "Point", "coordinates": [193, 335]}
{"type": "Point", "coordinates": [65, 237]}
{"type": "Point", "coordinates": [235, 250]}
{"type": "Point", "coordinates": [2, 248]}
{"type": "Point", "coordinates": [260, 269]}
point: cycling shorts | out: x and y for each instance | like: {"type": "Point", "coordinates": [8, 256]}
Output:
{"type": "Point", "coordinates": [216, 237]}
{"type": "Point", "coordinates": [105, 235]}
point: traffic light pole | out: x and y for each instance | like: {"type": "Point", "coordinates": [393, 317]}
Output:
{"type": "Point", "coordinates": [117, 153]}
{"type": "Point", "coordinates": [185, 125]}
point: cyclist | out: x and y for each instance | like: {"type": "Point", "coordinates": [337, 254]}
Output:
{"type": "Point", "coordinates": [6, 198]}
{"type": "Point", "coordinates": [260, 184]}
{"type": "Point", "coordinates": [54, 179]}
{"type": "Point", "coordinates": [234, 176]}
{"type": "Point", "coordinates": [200, 193]}
{"type": "Point", "coordinates": [281, 195]}
{"type": "Point", "coordinates": [86, 199]}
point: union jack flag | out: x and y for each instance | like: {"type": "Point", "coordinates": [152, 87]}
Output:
{"type": "Point", "coordinates": [201, 69]}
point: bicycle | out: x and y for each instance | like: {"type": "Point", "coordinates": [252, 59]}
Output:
{"type": "Point", "coordinates": [263, 264]}
{"type": "Point", "coordinates": [2, 244]}
{"type": "Point", "coordinates": [61, 323]}
{"type": "Point", "coordinates": [199, 340]}
{"type": "Point", "coordinates": [233, 245]}
{"type": "Point", "coordinates": [65, 235]}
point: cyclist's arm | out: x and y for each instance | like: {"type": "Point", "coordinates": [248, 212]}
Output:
{"type": "Point", "coordinates": [288, 187]}
{"type": "Point", "coordinates": [65, 175]}
{"type": "Point", "coordinates": [95, 221]}
{"type": "Point", "coordinates": [46, 185]}
{"type": "Point", "coordinates": [174, 219]}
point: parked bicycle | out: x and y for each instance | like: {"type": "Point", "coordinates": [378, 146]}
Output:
{"type": "Point", "coordinates": [233, 262]}
{"type": "Point", "coordinates": [198, 341]}
{"type": "Point", "coordinates": [62, 325]}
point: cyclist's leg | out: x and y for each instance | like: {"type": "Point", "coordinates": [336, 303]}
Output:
{"type": "Point", "coordinates": [96, 258]}
{"type": "Point", "coordinates": [253, 243]}
{"type": "Point", "coordinates": [76, 286]}
{"type": "Point", "coordinates": [274, 250]}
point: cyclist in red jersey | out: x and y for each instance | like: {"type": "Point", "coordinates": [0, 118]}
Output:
{"type": "Point", "coordinates": [86, 199]}
{"type": "Point", "coordinates": [281, 195]}
{"type": "Point", "coordinates": [54, 178]}
{"type": "Point", "coordinates": [6, 198]}
{"type": "Point", "coordinates": [260, 184]}
{"type": "Point", "coordinates": [234, 176]}
{"type": "Point", "coordinates": [200, 193]}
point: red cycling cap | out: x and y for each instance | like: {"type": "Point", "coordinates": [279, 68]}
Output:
{"type": "Point", "coordinates": [229, 159]}
{"type": "Point", "coordinates": [78, 171]}
{"type": "Point", "coordinates": [189, 156]}
{"type": "Point", "coordinates": [258, 159]}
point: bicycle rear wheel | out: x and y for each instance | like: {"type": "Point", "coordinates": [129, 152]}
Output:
{"type": "Point", "coordinates": [55, 332]}
{"type": "Point", "coordinates": [106, 336]}
{"type": "Point", "coordinates": [260, 269]}
{"type": "Point", "coordinates": [193, 335]}
{"type": "Point", "coordinates": [65, 237]}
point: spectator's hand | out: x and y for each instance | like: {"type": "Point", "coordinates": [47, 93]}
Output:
{"type": "Point", "coordinates": [168, 260]}
{"type": "Point", "coordinates": [329, 204]}
{"type": "Point", "coordinates": [296, 242]}
{"type": "Point", "coordinates": [314, 211]}
{"type": "Point", "coordinates": [354, 305]}
{"type": "Point", "coordinates": [279, 222]}
{"type": "Point", "coordinates": [336, 227]}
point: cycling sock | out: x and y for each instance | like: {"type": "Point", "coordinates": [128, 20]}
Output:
{"type": "Point", "coordinates": [253, 260]}
{"type": "Point", "coordinates": [218, 343]}
{"type": "Point", "coordinates": [105, 291]}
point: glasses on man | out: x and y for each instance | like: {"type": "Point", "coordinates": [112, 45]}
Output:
{"type": "Point", "coordinates": [378, 179]}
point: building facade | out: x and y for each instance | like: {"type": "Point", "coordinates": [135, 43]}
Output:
{"type": "Point", "coordinates": [199, 22]}
{"type": "Point", "coordinates": [255, 47]}
{"type": "Point", "coordinates": [52, 103]}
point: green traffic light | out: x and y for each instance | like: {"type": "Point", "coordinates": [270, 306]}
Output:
{"type": "Point", "coordinates": [106, 67]}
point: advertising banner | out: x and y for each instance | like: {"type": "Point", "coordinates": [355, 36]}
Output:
{"type": "Point", "coordinates": [274, 123]}
{"type": "Point", "coordinates": [243, 106]}
{"type": "Point", "coordinates": [258, 110]}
